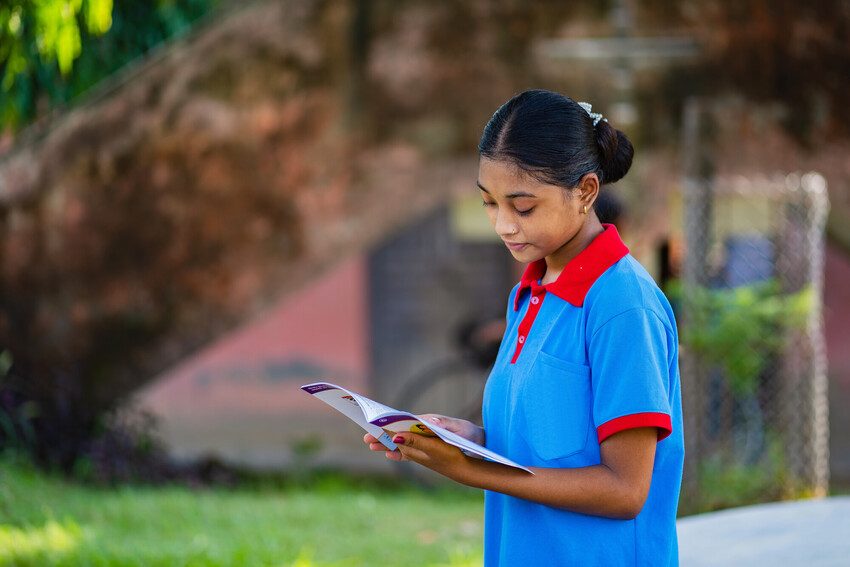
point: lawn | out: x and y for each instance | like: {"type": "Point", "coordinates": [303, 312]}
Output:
{"type": "Point", "coordinates": [45, 520]}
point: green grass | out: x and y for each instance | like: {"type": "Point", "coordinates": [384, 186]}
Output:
{"type": "Point", "coordinates": [45, 520]}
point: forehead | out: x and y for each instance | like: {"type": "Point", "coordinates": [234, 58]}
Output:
{"type": "Point", "coordinates": [499, 173]}
{"type": "Point", "coordinates": [502, 177]}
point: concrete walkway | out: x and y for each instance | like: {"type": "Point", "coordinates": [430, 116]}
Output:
{"type": "Point", "coordinates": [812, 533]}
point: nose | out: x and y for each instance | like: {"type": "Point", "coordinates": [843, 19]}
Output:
{"type": "Point", "coordinates": [504, 226]}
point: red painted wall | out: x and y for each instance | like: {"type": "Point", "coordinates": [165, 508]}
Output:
{"type": "Point", "coordinates": [240, 398]}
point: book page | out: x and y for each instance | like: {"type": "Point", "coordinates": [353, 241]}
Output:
{"type": "Point", "coordinates": [349, 404]}
{"type": "Point", "coordinates": [372, 409]}
{"type": "Point", "coordinates": [466, 445]}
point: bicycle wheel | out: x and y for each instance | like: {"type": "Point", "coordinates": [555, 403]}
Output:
{"type": "Point", "coordinates": [454, 387]}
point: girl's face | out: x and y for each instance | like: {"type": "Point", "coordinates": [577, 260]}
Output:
{"type": "Point", "coordinates": [534, 219]}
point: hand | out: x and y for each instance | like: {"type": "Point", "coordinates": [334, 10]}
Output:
{"type": "Point", "coordinates": [375, 445]}
{"type": "Point", "coordinates": [434, 453]}
{"type": "Point", "coordinates": [462, 427]}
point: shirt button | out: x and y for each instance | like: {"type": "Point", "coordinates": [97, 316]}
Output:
{"type": "Point", "coordinates": [521, 339]}
{"type": "Point", "coordinates": [535, 300]}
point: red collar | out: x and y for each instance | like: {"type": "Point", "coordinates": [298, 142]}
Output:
{"type": "Point", "coordinates": [581, 272]}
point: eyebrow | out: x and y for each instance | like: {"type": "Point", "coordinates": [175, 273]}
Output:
{"type": "Point", "coordinates": [512, 195]}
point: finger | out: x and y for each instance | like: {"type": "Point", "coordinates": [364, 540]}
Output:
{"type": "Point", "coordinates": [415, 455]}
{"type": "Point", "coordinates": [394, 455]}
{"type": "Point", "coordinates": [377, 447]}
{"type": "Point", "coordinates": [369, 438]}
{"type": "Point", "coordinates": [431, 418]}
{"type": "Point", "coordinates": [449, 423]}
{"type": "Point", "coordinates": [408, 446]}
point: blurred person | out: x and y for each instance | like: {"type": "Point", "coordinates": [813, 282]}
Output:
{"type": "Point", "coordinates": [586, 391]}
{"type": "Point", "coordinates": [610, 209]}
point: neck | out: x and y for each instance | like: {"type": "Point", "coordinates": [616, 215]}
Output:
{"type": "Point", "coordinates": [556, 261]}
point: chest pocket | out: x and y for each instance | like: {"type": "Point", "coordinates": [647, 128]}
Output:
{"type": "Point", "coordinates": [555, 400]}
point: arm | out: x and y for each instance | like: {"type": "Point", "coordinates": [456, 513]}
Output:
{"type": "Point", "coordinates": [616, 488]}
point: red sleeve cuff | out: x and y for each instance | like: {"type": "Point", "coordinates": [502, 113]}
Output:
{"type": "Point", "coordinates": [648, 419]}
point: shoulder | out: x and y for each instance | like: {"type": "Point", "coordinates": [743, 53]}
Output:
{"type": "Point", "coordinates": [511, 299]}
{"type": "Point", "coordinates": [512, 294]}
{"type": "Point", "coordinates": [626, 286]}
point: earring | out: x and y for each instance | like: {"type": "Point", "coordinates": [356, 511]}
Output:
{"type": "Point", "coordinates": [584, 209]}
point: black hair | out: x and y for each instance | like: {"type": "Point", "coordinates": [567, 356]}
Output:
{"type": "Point", "coordinates": [550, 137]}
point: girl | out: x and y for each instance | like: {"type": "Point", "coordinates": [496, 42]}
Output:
{"type": "Point", "coordinates": [585, 389]}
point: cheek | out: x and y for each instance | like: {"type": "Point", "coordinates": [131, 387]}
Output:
{"type": "Point", "coordinates": [551, 227]}
{"type": "Point", "coordinates": [558, 229]}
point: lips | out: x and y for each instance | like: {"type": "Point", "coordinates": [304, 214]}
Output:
{"type": "Point", "coordinates": [515, 245]}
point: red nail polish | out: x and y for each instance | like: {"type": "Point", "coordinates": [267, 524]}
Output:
{"type": "Point", "coordinates": [398, 439]}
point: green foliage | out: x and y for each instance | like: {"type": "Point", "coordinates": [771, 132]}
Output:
{"type": "Point", "coordinates": [36, 35]}
{"type": "Point", "coordinates": [53, 50]}
{"type": "Point", "coordinates": [740, 329]}
{"type": "Point", "coordinates": [725, 482]}
{"type": "Point", "coordinates": [46, 521]}
{"type": "Point", "coordinates": [55, 27]}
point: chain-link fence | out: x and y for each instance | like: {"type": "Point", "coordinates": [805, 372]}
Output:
{"type": "Point", "coordinates": [753, 361]}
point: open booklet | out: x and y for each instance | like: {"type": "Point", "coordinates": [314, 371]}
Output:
{"type": "Point", "coordinates": [383, 421]}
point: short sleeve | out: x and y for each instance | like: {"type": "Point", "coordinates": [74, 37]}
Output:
{"type": "Point", "coordinates": [630, 376]}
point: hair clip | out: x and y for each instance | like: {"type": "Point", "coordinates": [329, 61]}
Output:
{"type": "Point", "coordinates": [595, 115]}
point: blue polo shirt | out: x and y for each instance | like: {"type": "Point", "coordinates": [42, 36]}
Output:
{"type": "Point", "coordinates": [586, 356]}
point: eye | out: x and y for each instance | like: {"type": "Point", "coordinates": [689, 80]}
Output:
{"type": "Point", "coordinates": [526, 212]}
{"type": "Point", "coordinates": [486, 204]}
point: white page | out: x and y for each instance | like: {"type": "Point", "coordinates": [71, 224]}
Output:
{"type": "Point", "coordinates": [348, 403]}
{"type": "Point", "coordinates": [374, 410]}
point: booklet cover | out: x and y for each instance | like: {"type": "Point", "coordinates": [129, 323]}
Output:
{"type": "Point", "coordinates": [383, 421]}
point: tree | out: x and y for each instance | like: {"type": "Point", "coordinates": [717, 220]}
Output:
{"type": "Point", "coordinates": [53, 51]}
{"type": "Point", "coordinates": [794, 54]}
{"type": "Point", "coordinates": [36, 38]}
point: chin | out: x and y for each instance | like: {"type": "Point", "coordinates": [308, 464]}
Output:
{"type": "Point", "coordinates": [524, 255]}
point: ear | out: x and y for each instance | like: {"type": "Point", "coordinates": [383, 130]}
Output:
{"type": "Point", "coordinates": [588, 189]}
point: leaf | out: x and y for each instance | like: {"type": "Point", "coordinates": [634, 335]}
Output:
{"type": "Point", "coordinates": [98, 16]}
{"type": "Point", "coordinates": [67, 46]}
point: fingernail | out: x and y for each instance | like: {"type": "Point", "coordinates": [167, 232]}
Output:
{"type": "Point", "coordinates": [435, 419]}
{"type": "Point", "coordinates": [398, 439]}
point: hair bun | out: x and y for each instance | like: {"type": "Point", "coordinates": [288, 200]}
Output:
{"type": "Point", "coordinates": [615, 151]}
